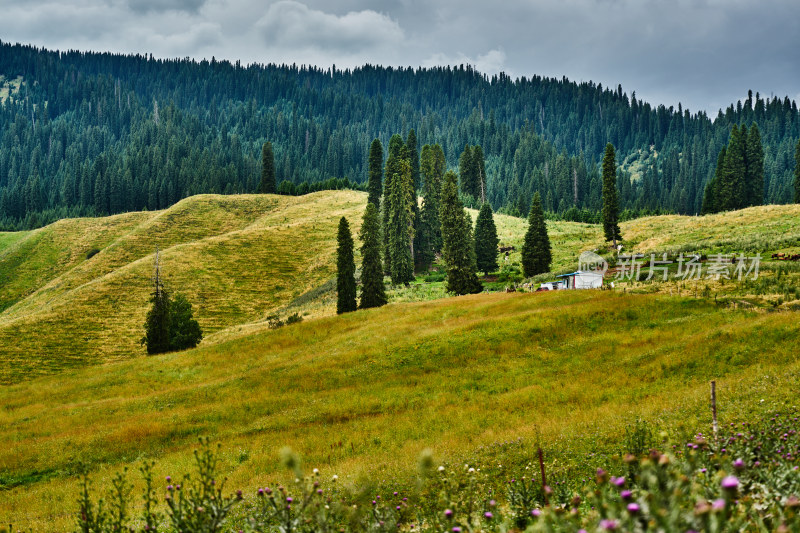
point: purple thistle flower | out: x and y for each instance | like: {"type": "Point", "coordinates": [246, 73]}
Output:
{"type": "Point", "coordinates": [260, 492]}
{"type": "Point", "coordinates": [456, 529]}
{"type": "Point", "coordinates": [289, 499]}
{"type": "Point", "coordinates": [738, 464]}
{"type": "Point", "coordinates": [609, 525]}
{"type": "Point", "coordinates": [718, 505]}
{"type": "Point", "coordinates": [488, 515]}
{"type": "Point", "coordinates": [536, 513]}
{"type": "Point", "coordinates": [618, 481]}
{"type": "Point", "coordinates": [633, 508]}
{"type": "Point", "coordinates": [626, 494]}
{"type": "Point", "coordinates": [448, 513]}
{"type": "Point", "coordinates": [730, 483]}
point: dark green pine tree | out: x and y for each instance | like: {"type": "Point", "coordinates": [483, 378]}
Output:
{"type": "Point", "coordinates": [157, 323]}
{"type": "Point", "coordinates": [375, 179]}
{"type": "Point", "coordinates": [732, 189]}
{"type": "Point", "coordinates": [393, 162]}
{"type": "Point", "coordinates": [610, 203]}
{"type": "Point", "coordinates": [412, 153]}
{"type": "Point", "coordinates": [486, 240]}
{"type": "Point", "coordinates": [536, 252]}
{"type": "Point", "coordinates": [797, 173]}
{"type": "Point", "coordinates": [345, 270]}
{"type": "Point", "coordinates": [711, 192]}
{"type": "Point", "coordinates": [479, 167]}
{"type": "Point", "coordinates": [429, 230]}
{"type": "Point", "coordinates": [267, 185]}
{"type": "Point", "coordinates": [401, 226]}
{"type": "Point", "coordinates": [373, 293]}
{"type": "Point", "coordinates": [458, 251]}
{"type": "Point", "coordinates": [755, 167]}
{"type": "Point", "coordinates": [185, 331]}
{"type": "Point", "coordinates": [467, 172]}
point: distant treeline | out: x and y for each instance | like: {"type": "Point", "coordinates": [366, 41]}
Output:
{"type": "Point", "coordinates": [100, 133]}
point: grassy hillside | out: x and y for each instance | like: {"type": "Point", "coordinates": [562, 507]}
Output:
{"type": "Point", "coordinates": [365, 392]}
{"type": "Point", "coordinates": [240, 258]}
{"type": "Point", "coordinates": [237, 258]}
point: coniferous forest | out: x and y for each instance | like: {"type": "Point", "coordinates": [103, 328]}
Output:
{"type": "Point", "coordinates": [99, 133]}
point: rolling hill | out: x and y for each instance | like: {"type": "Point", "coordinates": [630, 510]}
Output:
{"type": "Point", "coordinates": [241, 258]}
{"type": "Point", "coordinates": [237, 258]}
{"type": "Point", "coordinates": [363, 393]}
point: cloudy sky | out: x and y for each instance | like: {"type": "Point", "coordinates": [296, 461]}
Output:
{"type": "Point", "coordinates": [702, 53]}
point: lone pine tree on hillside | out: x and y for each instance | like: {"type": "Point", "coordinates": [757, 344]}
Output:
{"type": "Point", "coordinates": [486, 240]}
{"type": "Point", "coordinates": [345, 270]}
{"type": "Point", "coordinates": [536, 251]}
{"type": "Point", "coordinates": [401, 225]}
{"type": "Point", "coordinates": [375, 179]}
{"type": "Point", "coordinates": [373, 293]}
{"type": "Point", "coordinates": [610, 203]}
{"type": "Point", "coordinates": [393, 160]}
{"type": "Point", "coordinates": [429, 232]}
{"type": "Point", "coordinates": [169, 325]}
{"type": "Point", "coordinates": [458, 251]}
{"type": "Point", "coordinates": [267, 185]}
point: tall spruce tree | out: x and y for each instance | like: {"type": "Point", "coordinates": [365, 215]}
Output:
{"type": "Point", "coordinates": [267, 185]}
{"type": "Point", "coordinates": [345, 270]}
{"type": "Point", "coordinates": [373, 293]}
{"type": "Point", "coordinates": [157, 322]}
{"type": "Point", "coordinates": [479, 167]}
{"type": "Point", "coordinates": [458, 251]}
{"type": "Point", "coordinates": [797, 173]}
{"type": "Point", "coordinates": [467, 172]}
{"type": "Point", "coordinates": [755, 167]}
{"type": "Point", "coordinates": [610, 202]}
{"type": "Point", "coordinates": [412, 153]}
{"type": "Point", "coordinates": [711, 192]}
{"type": "Point", "coordinates": [732, 189]}
{"type": "Point", "coordinates": [536, 252]}
{"type": "Point", "coordinates": [401, 226]}
{"type": "Point", "coordinates": [375, 179]}
{"type": "Point", "coordinates": [393, 162]}
{"type": "Point", "coordinates": [486, 240]}
{"type": "Point", "coordinates": [429, 232]}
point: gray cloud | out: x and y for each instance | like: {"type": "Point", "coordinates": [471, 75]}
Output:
{"type": "Point", "coordinates": [703, 53]}
{"type": "Point", "coordinates": [160, 6]}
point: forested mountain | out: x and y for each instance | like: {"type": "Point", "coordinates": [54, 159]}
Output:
{"type": "Point", "coordinates": [100, 133]}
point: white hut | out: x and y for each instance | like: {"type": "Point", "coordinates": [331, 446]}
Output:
{"type": "Point", "coordinates": [583, 279]}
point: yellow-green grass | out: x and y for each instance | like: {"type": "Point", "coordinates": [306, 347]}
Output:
{"type": "Point", "coordinates": [9, 87]}
{"type": "Point", "coordinates": [365, 392]}
{"type": "Point", "coordinates": [237, 258]}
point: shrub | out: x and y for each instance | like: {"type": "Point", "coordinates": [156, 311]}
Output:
{"type": "Point", "coordinates": [91, 253]}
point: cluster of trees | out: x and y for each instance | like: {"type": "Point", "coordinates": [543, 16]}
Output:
{"type": "Point", "coordinates": [738, 181]}
{"type": "Point", "coordinates": [98, 133]}
{"type": "Point", "coordinates": [169, 325]}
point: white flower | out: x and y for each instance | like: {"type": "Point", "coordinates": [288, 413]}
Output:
{"type": "Point", "coordinates": [316, 471]}
{"type": "Point", "coordinates": [471, 470]}
{"type": "Point", "coordinates": [335, 477]}
{"type": "Point", "coordinates": [441, 469]}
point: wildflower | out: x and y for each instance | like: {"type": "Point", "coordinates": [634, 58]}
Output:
{"type": "Point", "coordinates": [633, 508]}
{"type": "Point", "coordinates": [492, 503]}
{"type": "Point", "coordinates": [260, 492]}
{"type": "Point", "coordinates": [718, 505]}
{"type": "Point", "coordinates": [169, 487]}
{"type": "Point", "coordinates": [626, 494]}
{"type": "Point", "coordinates": [609, 525]}
{"type": "Point", "coordinates": [397, 508]}
{"type": "Point", "coordinates": [238, 494]}
{"type": "Point", "coordinates": [738, 464]}
{"type": "Point", "coordinates": [334, 478]}
{"type": "Point", "coordinates": [456, 529]}
{"type": "Point", "coordinates": [441, 469]}
{"type": "Point", "coordinates": [618, 481]}
{"type": "Point", "coordinates": [448, 513]}
{"type": "Point", "coordinates": [730, 483]}
{"type": "Point", "coordinates": [289, 499]}
{"type": "Point", "coordinates": [169, 479]}
{"type": "Point", "coordinates": [316, 471]}
{"type": "Point", "coordinates": [488, 515]}
{"type": "Point", "coordinates": [536, 513]}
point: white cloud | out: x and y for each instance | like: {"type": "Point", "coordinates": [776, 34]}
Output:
{"type": "Point", "coordinates": [290, 24]}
